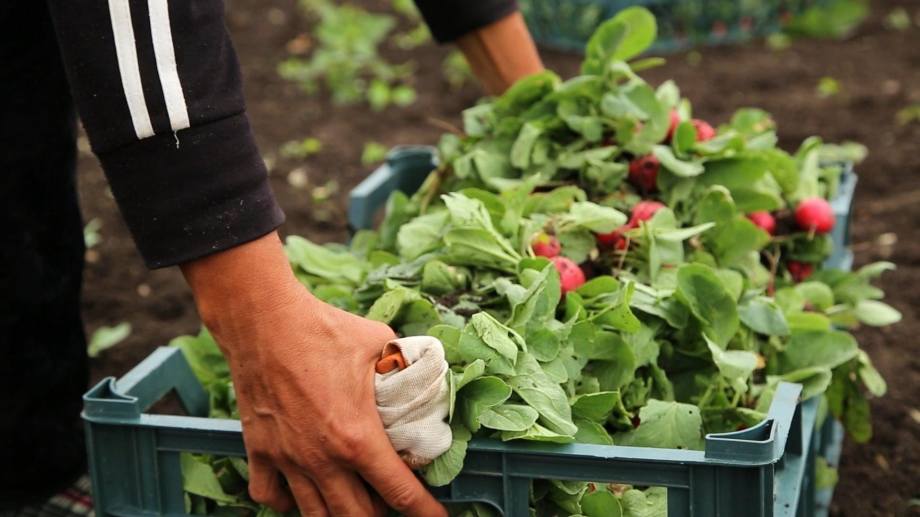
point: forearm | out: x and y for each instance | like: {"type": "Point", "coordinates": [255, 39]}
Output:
{"type": "Point", "coordinates": [501, 53]}
{"type": "Point", "coordinates": [239, 285]}
{"type": "Point", "coordinates": [159, 93]}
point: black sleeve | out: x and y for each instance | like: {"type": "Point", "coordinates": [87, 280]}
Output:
{"type": "Point", "coordinates": [158, 88]}
{"type": "Point", "coordinates": [450, 19]}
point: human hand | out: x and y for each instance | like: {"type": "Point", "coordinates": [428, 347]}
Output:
{"type": "Point", "coordinates": [303, 372]}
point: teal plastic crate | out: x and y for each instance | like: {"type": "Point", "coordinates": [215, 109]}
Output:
{"type": "Point", "coordinates": [568, 24]}
{"type": "Point", "coordinates": [766, 470]}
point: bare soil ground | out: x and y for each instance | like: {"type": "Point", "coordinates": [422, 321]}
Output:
{"type": "Point", "coordinates": [878, 69]}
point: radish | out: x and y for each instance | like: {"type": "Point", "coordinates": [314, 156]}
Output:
{"type": "Point", "coordinates": [704, 131]}
{"type": "Point", "coordinates": [643, 211]}
{"type": "Point", "coordinates": [800, 271]}
{"type": "Point", "coordinates": [643, 172]}
{"type": "Point", "coordinates": [571, 276]}
{"type": "Point", "coordinates": [545, 245]}
{"type": "Point", "coordinates": [764, 220]}
{"type": "Point", "coordinates": [675, 121]}
{"type": "Point", "coordinates": [613, 238]}
{"type": "Point", "coordinates": [815, 214]}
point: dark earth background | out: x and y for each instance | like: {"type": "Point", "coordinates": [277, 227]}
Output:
{"type": "Point", "coordinates": [878, 69]}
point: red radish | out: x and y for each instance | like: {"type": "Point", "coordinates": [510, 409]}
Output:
{"type": "Point", "coordinates": [764, 220]}
{"type": "Point", "coordinates": [643, 172]}
{"type": "Point", "coordinates": [800, 271]}
{"type": "Point", "coordinates": [815, 214]}
{"type": "Point", "coordinates": [613, 238]}
{"type": "Point", "coordinates": [545, 245]}
{"type": "Point", "coordinates": [571, 276]}
{"type": "Point", "coordinates": [675, 121]}
{"type": "Point", "coordinates": [704, 131]}
{"type": "Point", "coordinates": [643, 211]}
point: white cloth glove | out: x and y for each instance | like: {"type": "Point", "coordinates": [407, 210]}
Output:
{"type": "Point", "coordinates": [413, 402]}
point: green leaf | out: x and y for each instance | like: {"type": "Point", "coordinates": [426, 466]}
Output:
{"type": "Point", "coordinates": [497, 336]}
{"type": "Point", "coordinates": [107, 337]}
{"type": "Point", "coordinates": [807, 321]}
{"type": "Point", "coordinates": [623, 37]}
{"type": "Point", "coordinates": [669, 425]}
{"type": "Point", "coordinates": [876, 313]}
{"type": "Point", "coordinates": [204, 357]}
{"type": "Point", "coordinates": [524, 144]}
{"type": "Point", "coordinates": [601, 503]}
{"type": "Point", "coordinates": [819, 295]}
{"type": "Point", "coordinates": [819, 349]}
{"type": "Point", "coordinates": [538, 304]}
{"type": "Point", "coordinates": [591, 432]}
{"type": "Point", "coordinates": [653, 502]}
{"type": "Point", "coordinates": [421, 235]}
{"type": "Point", "coordinates": [684, 138]}
{"type": "Point", "coordinates": [735, 365]}
{"type": "Point", "coordinates": [457, 380]}
{"type": "Point", "coordinates": [762, 315]}
{"type": "Point", "coordinates": [447, 466]}
{"type": "Point", "coordinates": [478, 396]}
{"type": "Point", "coordinates": [681, 168]}
{"type": "Point", "coordinates": [538, 433]}
{"type": "Point", "coordinates": [389, 306]}
{"type": "Point", "coordinates": [509, 417]}
{"type": "Point", "coordinates": [439, 279]}
{"type": "Point", "coordinates": [699, 288]}
{"type": "Point", "coordinates": [594, 217]}
{"type": "Point", "coordinates": [544, 395]}
{"type": "Point", "coordinates": [595, 406]}
{"type": "Point", "coordinates": [870, 377]}
{"type": "Point", "coordinates": [198, 478]}
{"type": "Point", "coordinates": [335, 266]}
{"type": "Point", "coordinates": [825, 475]}
{"type": "Point", "coordinates": [476, 247]}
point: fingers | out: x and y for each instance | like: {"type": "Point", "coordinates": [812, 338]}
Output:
{"type": "Point", "coordinates": [395, 483]}
{"type": "Point", "coordinates": [265, 486]}
{"type": "Point", "coordinates": [344, 493]}
{"type": "Point", "coordinates": [309, 500]}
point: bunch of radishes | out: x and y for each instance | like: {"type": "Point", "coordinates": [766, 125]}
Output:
{"type": "Point", "coordinates": [813, 215]}
{"type": "Point", "coordinates": [571, 276]}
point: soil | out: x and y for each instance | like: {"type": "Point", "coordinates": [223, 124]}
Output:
{"type": "Point", "coordinates": [878, 69]}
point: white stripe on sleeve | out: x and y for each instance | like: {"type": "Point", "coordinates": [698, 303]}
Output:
{"type": "Point", "coordinates": [161, 32]}
{"type": "Point", "coordinates": [126, 51]}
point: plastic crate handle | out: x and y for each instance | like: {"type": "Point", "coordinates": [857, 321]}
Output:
{"type": "Point", "coordinates": [161, 372]}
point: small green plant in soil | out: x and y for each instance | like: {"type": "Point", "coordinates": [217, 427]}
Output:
{"type": "Point", "coordinates": [107, 337]}
{"type": "Point", "coordinates": [346, 61]}
{"type": "Point", "coordinates": [301, 149]}
{"type": "Point", "coordinates": [373, 152]}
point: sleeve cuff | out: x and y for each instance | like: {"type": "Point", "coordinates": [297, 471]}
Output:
{"type": "Point", "coordinates": [190, 194]}
{"type": "Point", "coordinates": [451, 19]}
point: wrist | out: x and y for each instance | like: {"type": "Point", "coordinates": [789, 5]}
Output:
{"type": "Point", "coordinates": [233, 287]}
{"type": "Point", "coordinates": [501, 53]}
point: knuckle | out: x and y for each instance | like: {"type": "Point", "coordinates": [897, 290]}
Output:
{"type": "Point", "coordinates": [260, 493]}
{"type": "Point", "coordinates": [402, 497]}
{"type": "Point", "coordinates": [350, 444]}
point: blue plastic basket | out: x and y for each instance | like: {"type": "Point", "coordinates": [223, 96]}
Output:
{"type": "Point", "coordinates": [568, 24]}
{"type": "Point", "coordinates": [766, 470]}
